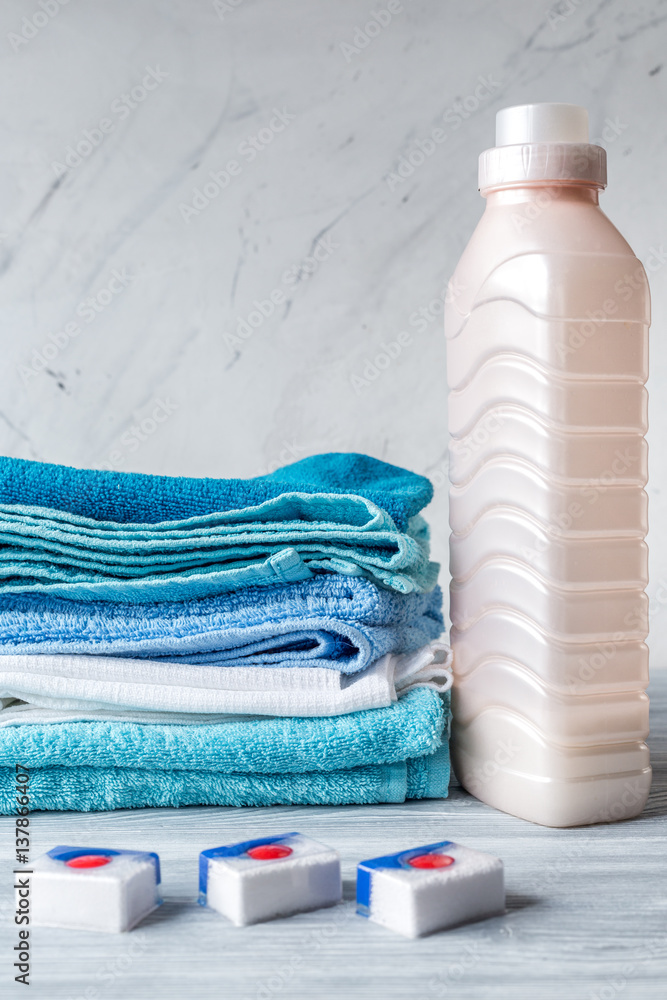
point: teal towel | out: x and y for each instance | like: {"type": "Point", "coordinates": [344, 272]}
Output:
{"type": "Point", "coordinates": [87, 789]}
{"type": "Point", "coordinates": [372, 755]}
{"type": "Point", "coordinates": [411, 727]}
{"type": "Point", "coordinates": [54, 552]}
{"type": "Point", "coordinates": [130, 496]}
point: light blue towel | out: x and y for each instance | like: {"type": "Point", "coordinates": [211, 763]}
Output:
{"type": "Point", "coordinates": [87, 789]}
{"type": "Point", "coordinates": [44, 550]}
{"type": "Point", "coordinates": [365, 756]}
{"type": "Point", "coordinates": [329, 621]}
{"type": "Point", "coordinates": [411, 727]}
{"type": "Point", "coordinates": [130, 496]}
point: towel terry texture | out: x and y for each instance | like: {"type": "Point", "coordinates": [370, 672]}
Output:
{"type": "Point", "coordinates": [363, 756]}
{"type": "Point", "coordinates": [96, 686]}
{"type": "Point", "coordinates": [411, 727]}
{"type": "Point", "coordinates": [132, 497]}
{"type": "Point", "coordinates": [87, 789]}
{"type": "Point", "coordinates": [286, 539]}
{"type": "Point", "coordinates": [170, 641]}
{"type": "Point", "coordinates": [344, 623]}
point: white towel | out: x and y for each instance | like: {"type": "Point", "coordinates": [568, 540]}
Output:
{"type": "Point", "coordinates": [61, 688]}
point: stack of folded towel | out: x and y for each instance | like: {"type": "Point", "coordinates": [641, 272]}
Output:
{"type": "Point", "coordinates": [169, 641]}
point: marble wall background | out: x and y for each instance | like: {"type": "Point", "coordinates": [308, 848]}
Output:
{"type": "Point", "coordinates": [167, 164]}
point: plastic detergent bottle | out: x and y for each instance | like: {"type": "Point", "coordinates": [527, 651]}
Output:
{"type": "Point", "coordinates": [547, 321]}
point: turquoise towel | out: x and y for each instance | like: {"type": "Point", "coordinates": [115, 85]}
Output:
{"type": "Point", "coordinates": [282, 540]}
{"type": "Point", "coordinates": [87, 789]}
{"type": "Point", "coordinates": [365, 756]}
{"type": "Point", "coordinates": [129, 496]}
{"type": "Point", "coordinates": [344, 623]}
{"type": "Point", "coordinates": [411, 727]}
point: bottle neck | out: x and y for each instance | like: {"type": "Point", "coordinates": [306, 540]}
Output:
{"type": "Point", "coordinates": [542, 163]}
{"type": "Point", "coordinates": [542, 193]}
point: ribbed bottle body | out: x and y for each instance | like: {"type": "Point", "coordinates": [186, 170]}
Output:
{"type": "Point", "coordinates": [547, 357]}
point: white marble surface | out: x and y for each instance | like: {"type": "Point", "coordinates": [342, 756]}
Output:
{"type": "Point", "coordinates": [163, 341]}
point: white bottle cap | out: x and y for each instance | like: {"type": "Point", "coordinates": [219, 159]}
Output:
{"type": "Point", "coordinates": [541, 123]}
{"type": "Point", "coordinates": [541, 144]}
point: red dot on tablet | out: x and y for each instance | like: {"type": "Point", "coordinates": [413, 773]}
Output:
{"type": "Point", "coordinates": [269, 852]}
{"type": "Point", "coordinates": [88, 861]}
{"type": "Point", "coordinates": [431, 861]}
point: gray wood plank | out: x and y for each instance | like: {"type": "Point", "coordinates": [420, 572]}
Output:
{"type": "Point", "coordinates": [587, 908]}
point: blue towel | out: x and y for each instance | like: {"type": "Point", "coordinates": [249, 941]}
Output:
{"type": "Point", "coordinates": [371, 755]}
{"type": "Point", "coordinates": [329, 621]}
{"type": "Point", "coordinates": [87, 789]}
{"type": "Point", "coordinates": [44, 550]}
{"type": "Point", "coordinates": [129, 496]}
{"type": "Point", "coordinates": [411, 727]}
